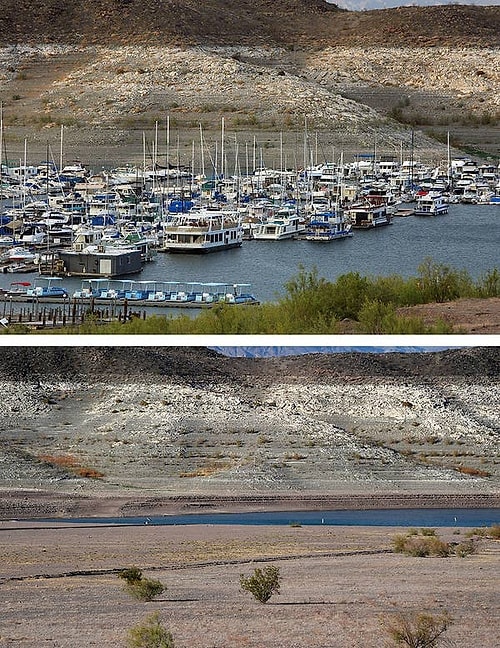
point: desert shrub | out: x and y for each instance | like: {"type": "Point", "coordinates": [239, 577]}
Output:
{"type": "Point", "coordinates": [131, 574]}
{"type": "Point", "coordinates": [420, 545]}
{"type": "Point", "coordinates": [494, 531]}
{"type": "Point", "coordinates": [440, 283]}
{"type": "Point", "coordinates": [376, 317]}
{"type": "Point", "coordinates": [466, 548]}
{"type": "Point", "coordinates": [482, 532]}
{"type": "Point", "coordinates": [474, 472]}
{"type": "Point", "coordinates": [438, 547]}
{"type": "Point", "coordinates": [488, 284]}
{"type": "Point", "coordinates": [262, 584]}
{"type": "Point", "coordinates": [144, 589]}
{"type": "Point", "coordinates": [421, 630]}
{"type": "Point", "coordinates": [349, 293]}
{"type": "Point", "coordinates": [309, 303]}
{"type": "Point", "coordinates": [399, 543]}
{"type": "Point", "coordinates": [150, 634]}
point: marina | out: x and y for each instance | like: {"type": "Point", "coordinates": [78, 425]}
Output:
{"type": "Point", "coordinates": [169, 238]}
{"type": "Point", "coordinates": [267, 266]}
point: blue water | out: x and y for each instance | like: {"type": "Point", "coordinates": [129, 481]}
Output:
{"type": "Point", "coordinates": [465, 238]}
{"type": "Point", "coordinates": [376, 517]}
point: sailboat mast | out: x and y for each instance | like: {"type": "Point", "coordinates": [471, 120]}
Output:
{"type": "Point", "coordinates": [167, 158]}
{"type": "Point", "coordinates": [448, 159]}
{"type": "Point", "coordinates": [202, 153]}
{"type": "Point", "coordinates": [222, 148]}
{"type": "Point", "coordinates": [1, 143]}
{"type": "Point", "coordinates": [61, 148]}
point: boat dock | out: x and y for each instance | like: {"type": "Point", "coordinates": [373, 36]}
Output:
{"type": "Point", "coordinates": [128, 293]}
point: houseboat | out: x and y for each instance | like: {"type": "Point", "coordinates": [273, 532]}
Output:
{"type": "Point", "coordinates": [282, 226]}
{"type": "Point", "coordinates": [367, 216]}
{"type": "Point", "coordinates": [328, 226]}
{"type": "Point", "coordinates": [431, 204]}
{"type": "Point", "coordinates": [99, 261]}
{"type": "Point", "coordinates": [202, 230]}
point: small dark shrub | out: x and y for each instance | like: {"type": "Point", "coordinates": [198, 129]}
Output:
{"type": "Point", "coordinates": [262, 584]}
{"type": "Point", "coordinates": [131, 575]}
{"type": "Point", "coordinates": [144, 589]}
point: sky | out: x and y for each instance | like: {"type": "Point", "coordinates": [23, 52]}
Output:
{"type": "Point", "coordinates": [357, 5]}
{"type": "Point", "coordinates": [270, 351]}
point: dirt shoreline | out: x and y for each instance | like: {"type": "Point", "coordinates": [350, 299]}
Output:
{"type": "Point", "coordinates": [337, 585]}
{"type": "Point", "coordinates": [29, 505]}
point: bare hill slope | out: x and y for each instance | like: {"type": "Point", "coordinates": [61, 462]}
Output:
{"type": "Point", "coordinates": [139, 423]}
{"type": "Point", "coordinates": [110, 70]}
{"type": "Point", "coordinates": [295, 22]}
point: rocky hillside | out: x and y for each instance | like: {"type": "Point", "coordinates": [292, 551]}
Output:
{"type": "Point", "coordinates": [199, 364]}
{"type": "Point", "coordinates": [109, 71]}
{"type": "Point", "coordinates": [254, 22]}
{"type": "Point", "coordinates": [187, 421]}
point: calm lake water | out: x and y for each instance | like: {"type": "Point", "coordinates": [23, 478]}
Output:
{"type": "Point", "coordinates": [467, 237]}
{"type": "Point", "coordinates": [378, 517]}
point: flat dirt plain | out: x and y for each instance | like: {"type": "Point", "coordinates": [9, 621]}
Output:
{"type": "Point", "coordinates": [59, 586]}
{"type": "Point", "coordinates": [182, 430]}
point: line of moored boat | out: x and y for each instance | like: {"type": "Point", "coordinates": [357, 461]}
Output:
{"type": "Point", "coordinates": [69, 222]}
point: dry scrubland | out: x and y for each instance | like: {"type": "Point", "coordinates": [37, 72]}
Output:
{"type": "Point", "coordinates": [337, 584]}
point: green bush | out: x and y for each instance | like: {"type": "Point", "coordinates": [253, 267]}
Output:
{"type": "Point", "coordinates": [314, 305]}
{"type": "Point", "coordinates": [150, 634]}
{"type": "Point", "coordinates": [262, 584]}
{"type": "Point", "coordinates": [421, 630]}
{"type": "Point", "coordinates": [440, 283]}
{"type": "Point", "coordinates": [144, 589]}
{"type": "Point", "coordinates": [131, 575]}
{"type": "Point", "coordinates": [488, 284]}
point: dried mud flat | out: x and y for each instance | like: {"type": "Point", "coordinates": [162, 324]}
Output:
{"type": "Point", "coordinates": [59, 586]}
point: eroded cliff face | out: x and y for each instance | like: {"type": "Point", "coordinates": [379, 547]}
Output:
{"type": "Point", "coordinates": [210, 425]}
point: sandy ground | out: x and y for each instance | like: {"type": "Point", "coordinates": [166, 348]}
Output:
{"type": "Point", "coordinates": [470, 316]}
{"type": "Point", "coordinates": [337, 585]}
